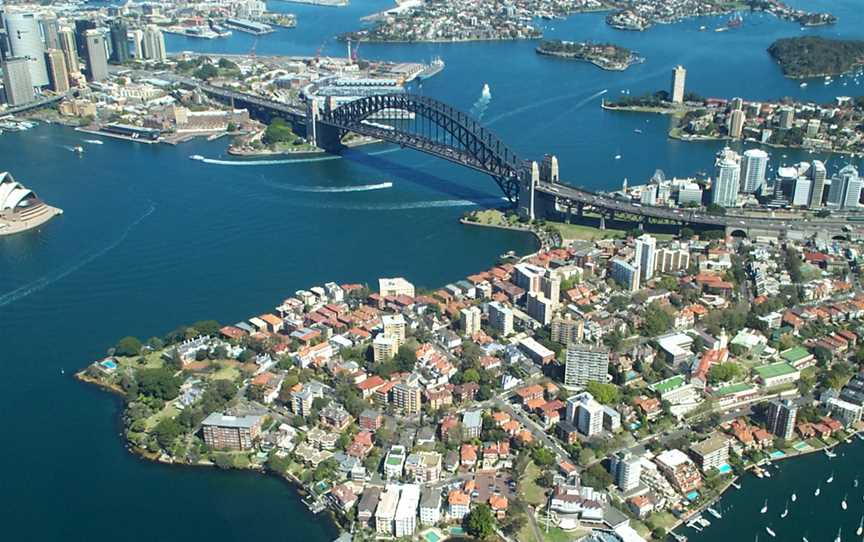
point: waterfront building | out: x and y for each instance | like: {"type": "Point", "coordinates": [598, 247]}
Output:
{"type": "Point", "coordinates": [812, 128]}
{"type": "Point", "coordinates": [800, 196]}
{"type": "Point", "coordinates": [58, 77]}
{"type": "Point", "coordinates": [625, 274]}
{"type": "Point", "coordinates": [405, 518]}
{"type": "Point", "coordinates": [736, 123]}
{"type": "Point", "coordinates": [97, 58]}
{"type": "Point", "coordinates": [501, 318]}
{"type": "Point", "coordinates": [585, 363]}
{"type": "Point", "coordinates": [470, 320]}
{"type": "Point", "coordinates": [649, 195]}
{"type": "Point", "coordinates": [119, 42]}
{"type": "Point", "coordinates": [566, 330]}
{"type": "Point", "coordinates": [679, 470]}
{"type": "Point", "coordinates": [818, 173]}
{"type": "Point", "coordinates": [392, 287]}
{"type": "Point", "coordinates": [223, 432]}
{"type": "Point", "coordinates": [540, 308]}
{"type": "Point", "coordinates": [781, 418]}
{"type": "Point", "coordinates": [70, 53]}
{"type": "Point", "coordinates": [16, 81]}
{"type": "Point", "coordinates": [626, 469]}
{"type": "Point", "coordinates": [849, 414]}
{"type": "Point", "coordinates": [679, 76]}
{"type": "Point", "coordinates": [711, 453]}
{"type": "Point", "coordinates": [646, 250]}
{"type": "Point", "coordinates": [845, 191]}
{"type": "Point", "coordinates": [787, 117]}
{"type": "Point", "coordinates": [689, 193]}
{"type": "Point", "coordinates": [724, 191]}
{"type": "Point", "coordinates": [25, 41]}
{"type": "Point", "coordinates": [754, 164]}
{"type": "Point", "coordinates": [154, 44]}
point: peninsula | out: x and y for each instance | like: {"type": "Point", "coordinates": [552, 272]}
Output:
{"type": "Point", "coordinates": [815, 56]}
{"type": "Point", "coordinates": [20, 208]}
{"type": "Point", "coordinates": [606, 56]}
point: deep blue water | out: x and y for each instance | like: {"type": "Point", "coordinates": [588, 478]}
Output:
{"type": "Point", "coordinates": [151, 240]}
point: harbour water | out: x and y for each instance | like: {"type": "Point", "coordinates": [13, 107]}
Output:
{"type": "Point", "coordinates": [150, 240]}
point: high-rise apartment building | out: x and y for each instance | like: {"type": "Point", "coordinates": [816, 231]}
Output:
{"type": "Point", "coordinates": [70, 52]}
{"type": "Point", "coordinates": [818, 173]}
{"type": "Point", "coordinates": [501, 318]}
{"type": "Point", "coordinates": [845, 191]}
{"type": "Point", "coordinates": [470, 320]}
{"type": "Point", "coordinates": [646, 252]}
{"type": "Point", "coordinates": [154, 44]}
{"type": "Point", "coordinates": [585, 363]}
{"type": "Point", "coordinates": [679, 76]}
{"type": "Point", "coordinates": [781, 418]}
{"type": "Point", "coordinates": [754, 164]}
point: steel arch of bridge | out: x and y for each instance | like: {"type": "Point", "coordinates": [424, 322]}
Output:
{"type": "Point", "coordinates": [444, 131]}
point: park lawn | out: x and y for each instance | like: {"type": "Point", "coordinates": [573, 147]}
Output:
{"type": "Point", "coordinates": [532, 493]}
{"type": "Point", "coordinates": [557, 535]}
{"type": "Point", "coordinates": [228, 370]}
{"type": "Point", "coordinates": [492, 217]}
{"type": "Point", "coordinates": [581, 232]}
{"type": "Point", "coordinates": [661, 519]}
{"type": "Point", "coordinates": [170, 411]}
{"type": "Point", "coordinates": [526, 533]}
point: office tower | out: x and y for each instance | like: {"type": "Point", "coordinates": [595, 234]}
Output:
{"type": "Point", "coordinates": [470, 320]}
{"type": "Point", "coordinates": [154, 44]}
{"type": "Point", "coordinates": [585, 363]}
{"type": "Point", "coordinates": [16, 81]}
{"type": "Point", "coordinates": [97, 58]}
{"type": "Point", "coordinates": [81, 28]}
{"type": "Point", "coordinates": [781, 418]}
{"type": "Point", "coordinates": [736, 123]}
{"type": "Point", "coordinates": [70, 51]}
{"type": "Point", "coordinates": [646, 250]}
{"type": "Point", "coordinates": [549, 169]}
{"type": "Point", "coordinates": [539, 308]}
{"type": "Point", "coordinates": [845, 191]}
{"type": "Point", "coordinates": [625, 274]}
{"type": "Point", "coordinates": [679, 75]}
{"type": "Point", "coordinates": [817, 174]}
{"type": "Point", "coordinates": [501, 318]}
{"type": "Point", "coordinates": [626, 469]}
{"type": "Point", "coordinates": [58, 76]}
{"type": "Point", "coordinates": [753, 166]}
{"type": "Point", "coordinates": [724, 192]}
{"type": "Point", "coordinates": [26, 42]}
{"type": "Point", "coordinates": [787, 117]}
{"type": "Point", "coordinates": [50, 28]}
{"type": "Point", "coordinates": [119, 42]}
{"type": "Point", "coordinates": [138, 43]}
{"type": "Point", "coordinates": [4, 37]}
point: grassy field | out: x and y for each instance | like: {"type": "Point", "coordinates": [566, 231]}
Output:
{"type": "Point", "coordinates": [531, 492]}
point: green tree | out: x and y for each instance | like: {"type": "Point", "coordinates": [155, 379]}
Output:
{"type": "Point", "coordinates": [159, 383]}
{"type": "Point", "coordinates": [542, 457]}
{"type": "Point", "coordinates": [656, 320]}
{"type": "Point", "coordinates": [128, 346]}
{"type": "Point", "coordinates": [480, 523]}
{"type": "Point", "coordinates": [604, 393]}
{"type": "Point", "coordinates": [166, 432]}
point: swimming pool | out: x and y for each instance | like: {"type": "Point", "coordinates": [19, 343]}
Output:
{"type": "Point", "coordinates": [431, 537]}
{"type": "Point", "coordinates": [724, 469]}
{"type": "Point", "coordinates": [777, 454]}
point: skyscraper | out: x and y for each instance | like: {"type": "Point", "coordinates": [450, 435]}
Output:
{"type": "Point", "coordinates": [50, 28]}
{"type": "Point", "coordinates": [736, 123]}
{"type": "Point", "coordinates": [585, 363]}
{"type": "Point", "coordinates": [781, 418]}
{"type": "Point", "coordinates": [16, 81]}
{"type": "Point", "coordinates": [817, 174]}
{"type": "Point", "coordinates": [97, 58]}
{"type": "Point", "coordinates": [138, 43]}
{"type": "Point", "coordinates": [58, 76]}
{"type": "Point", "coordinates": [753, 167]}
{"type": "Point", "coordinates": [724, 191]}
{"type": "Point", "coordinates": [70, 51]}
{"type": "Point", "coordinates": [26, 42]}
{"type": "Point", "coordinates": [646, 250]}
{"type": "Point", "coordinates": [679, 75]}
{"type": "Point", "coordinates": [154, 44]}
{"type": "Point", "coordinates": [845, 191]}
{"type": "Point", "coordinates": [81, 27]}
{"type": "Point", "coordinates": [119, 42]}
{"type": "Point", "coordinates": [626, 469]}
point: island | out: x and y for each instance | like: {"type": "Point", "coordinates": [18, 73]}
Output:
{"type": "Point", "coordinates": [815, 56]}
{"type": "Point", "coordinates": [606, 56]}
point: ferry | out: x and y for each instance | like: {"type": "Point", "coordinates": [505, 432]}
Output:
{"type": "Point", "coordinates": [433, 68]}
{"type": "Point", "coordinates": [197, 157]}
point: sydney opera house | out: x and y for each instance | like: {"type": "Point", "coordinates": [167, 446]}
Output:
{"type": "Point", "coordinates": [20, 208]}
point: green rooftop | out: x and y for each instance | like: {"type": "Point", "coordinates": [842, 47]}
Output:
{"type": "Point", "coordinates": [734, 388]}
{"type": "Point", "coordinates": [773, 370]}
{"type": "Point", "coordinates": [665, 386]}
{"type": "Point", "coordinates": [795, 354]}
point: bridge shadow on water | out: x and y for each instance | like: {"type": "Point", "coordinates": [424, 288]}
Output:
{"type": "Point", "coordinates": [426, 179]}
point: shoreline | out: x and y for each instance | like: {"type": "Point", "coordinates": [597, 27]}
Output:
{"type": "Point", "coordinates": [603, 64]}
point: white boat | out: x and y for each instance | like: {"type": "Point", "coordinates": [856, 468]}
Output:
{"type": "Point", "coordinates": [830, 454]}
{"type": "Point", "coordinates": [736, 485]}
{"type": "Point", "coordinates": [769, 531]}
{"type": "Point", "coordinates": [860, 527]}
{"type": "Point", "coordinates": [803, 85]}
{"type": "Point", "coordinates": [804, 539]}
{"type": "Point", "coordinates": [196, 157]}
{"type": "Point", "coordinates": [764, 507]}
{"type": "Point", "coordinates": [785, 511]}
{"type": "Point", "coordinates": [714, 513]}
{"type": "Point", "coordinates": [617, 156]}
{"type": "Point", "coordinates": [843, 503]}
{"type": "Point", "coordinates": [794, 497]}
{"type": "Point", "coordinates": [767, 474]}
{"type": "Point", "coordinates": [830, 479]}
{"type": "Point", "coordinates": [839, 535]}
{"type": "Point", "coordinates": [817, 492]}
{"type": "Point", "coordinates": [855, 482]}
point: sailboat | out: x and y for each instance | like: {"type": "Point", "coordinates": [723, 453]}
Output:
{"type": "Point", "coordinates": [843, 504]}
{"type": "Point", "coordinates": [794, 497]}
{"type": "Point", "coordinates": [839, 535]}
{"type": "Point", "coordinates": [785, 511]}
{"type": "Point", "coordinates": [764, 507]}
{"type": "Point", "coordinates": [860, 527]}
{"type": "Point", "coordinates": [830, 479]}
{"type": "Point", "coordinates": [817, 492]}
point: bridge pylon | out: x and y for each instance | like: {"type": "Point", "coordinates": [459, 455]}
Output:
{"type": "Point", "coordinates": [529, 176]}
{"type": "Point", "coordinates": [320, 134]}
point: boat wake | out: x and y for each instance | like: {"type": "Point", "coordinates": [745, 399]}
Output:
{"type": "Point", "coordinates": [43, 282]}
{"type": "Point", "coordinates": [482, 104]}
{"type": "Point", "coordinates": [94, 141]}
{"type": "Point", "coordinates": [253, 163]}
{"type": "Point", "coordinates": [335, 189]}
{"type": "Point", "coordinates": [434, 204]}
